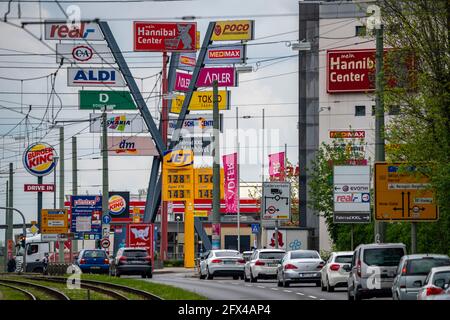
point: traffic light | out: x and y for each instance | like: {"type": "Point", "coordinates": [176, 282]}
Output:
{"type": "Point", "coordinates": [22, 241]}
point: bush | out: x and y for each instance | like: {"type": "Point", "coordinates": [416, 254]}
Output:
{"type": "Point", "coordinates": [174, 263]}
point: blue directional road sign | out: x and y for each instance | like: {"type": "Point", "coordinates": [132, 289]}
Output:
{"type": "Point", "coordinates": [106, 219]}
{"type": "Point", "coordinates": [255, 228]}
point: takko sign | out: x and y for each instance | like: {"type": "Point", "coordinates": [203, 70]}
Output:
{"type": "Point", "coordinates": [350, 70]}
{"type": "Point", "coordinates": [39, 159]}
{"type": "Point", "coordinates": [165, 36]}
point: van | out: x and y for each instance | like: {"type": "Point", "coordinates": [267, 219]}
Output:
{"type": "Point", "coordinates": [373, 270]}
{"type": "Point", "coordinates": [36, 249]}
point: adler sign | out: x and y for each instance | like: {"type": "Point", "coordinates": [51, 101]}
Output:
{"type": "Point", "coordinates": [350, 70]}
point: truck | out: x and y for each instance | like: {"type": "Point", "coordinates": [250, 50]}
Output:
{"type": "Point", "coordinates": [36, 250]}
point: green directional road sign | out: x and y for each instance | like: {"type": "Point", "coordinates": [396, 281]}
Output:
{"type": "Point", "coordinates": [113, 100]}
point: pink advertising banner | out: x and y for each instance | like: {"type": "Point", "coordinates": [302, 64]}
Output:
{"type": "Point", "coordinates": [276, 165]}
{"type": "Point", "coordinates": [231, 183]}
{"type": "Point", "coordinates": [182, 81]}
{"type": "Point", "coordinates": [226, 77]}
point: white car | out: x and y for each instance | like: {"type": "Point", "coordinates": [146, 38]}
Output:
{"type": "Point", "coordinates": [263, 264]}
{"type": "Point", "coordinates": [333, 274]}
{"type": "Point", "coordinates": [222, 263]}
{"type": "Point", "coordinates": [300, 266]}
{"type": "Point", "coordinates": [435, 285]}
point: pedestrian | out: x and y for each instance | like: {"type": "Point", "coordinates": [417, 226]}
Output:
{"type": "Point", "coordinates": [45, 263]}
{"type": "Point", "coordinates": [12, 265]}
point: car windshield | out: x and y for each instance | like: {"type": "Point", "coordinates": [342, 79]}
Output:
{"type": "Point", "coordinates": [387, 257]}
{"type": "Point", "coordinates": [305, 255]}
{"type": "Point", "coordinates": [271, 255]}
{"type": "Point", "coordinates": [343, 259]}
{"type": "Point", "coordinates": [94, 254]}
{"type": "Point", "coordinates": [227, 254]}
{"type": "Point", "coordinates": [135, 253]}
{"type": "Point", "coordinates": [423, 266]}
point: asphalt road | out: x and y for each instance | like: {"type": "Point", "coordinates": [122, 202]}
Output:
{"type": "Point", "coordinates": [222, 288]}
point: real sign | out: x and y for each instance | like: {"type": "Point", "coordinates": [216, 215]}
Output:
{"type": "Point", "coordinates": [351, 194]}
{"type": "Point", "coordinates": [225, 54]}
{"type": "Point", "coordinates": [233, 30]}
{"type": "Point", "coordinates": [276, 201]}
{"type": "Point", "coordinates": [117, 123]}
{"type": "Point", "coordinates": [202, 101]}
{"type": "Point", "coordinates": [94, 77]}
{"type": "Point", "coordinates": [83, 53]}
{"type": "Point", "coordinates": [165, 36]}
{"type": "Point", "coordinates": [61, 30]}
{"type": "Point", "coordinates": [402, 193]}
{"type": "Point", "coordinates": [116, 100]}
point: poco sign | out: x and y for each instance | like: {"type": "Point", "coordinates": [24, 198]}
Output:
{"type": "Point", "coordinates": [61, 30]}
{"type": "Point", "coordinates": [94, 77]}
{"type": "Point", "coordinates": [39, 159]}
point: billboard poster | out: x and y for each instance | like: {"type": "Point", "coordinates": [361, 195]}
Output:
{"type": "Point", "coordinates": [140, 235]}
{"type": "Point", "coordinates": [218, 54]}
{"type": "Point", "coordinates": [119, 204]}
{"type": "Point", "coordinates": [231, 183]}
{"type": "Point", "coordinates": [165, 36]}
{"type": "Point", "coordinates": [201, 146]}
{"type": "Point", "coordinates": [131, 146]}
{"type": "Point", "coordinates": [276, 165]}
{"type": "Point", "coordinates": [225, 76]}
{"type": "Point", "coordinates": [234, 30]}
{"type": "Point", "coordinates": [86, 217]}
{"type": "Point", "coordinates": [201, 101]}
{"type": "Point", "coordinates": [187, 61]}
{"type": "Point", "coordinates": [83, 53]}
{"type": "Point", "coordinates": [194, 124]}
{"type": "Point", "coordinates": [117, 123]}
{"type": "Point", "coordinates": [94, 77]}
{"type": "Point", "coordinates": [182, 81]}
{"type": "Point", "coordinates": [61, 30]}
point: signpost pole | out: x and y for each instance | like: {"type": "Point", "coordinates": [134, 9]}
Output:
{"type": "Point", "coordinates": [105, 181]}
{"type": "Point", "coordinates": [238, 184]}
{"type": "Point", "coordinates": [8, 223]}
{"type": "Point", "coordinates": [74, 247]}
{"type": "Point", "coordinates": [413, 237]}
{"type": "Point", "coordinates": [61, 186]}
{"type": "Point", "coordinates": [379, 117]}
{"type": "Point", "coordinates": [39, 201]}
{"type": "Point", "coordinates": [216, 171]}
{"type": "Point", "coordinates": [351, 237]}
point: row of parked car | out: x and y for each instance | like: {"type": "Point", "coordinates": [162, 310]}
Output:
{"type": "Point", "coordinates": [371, 270]}
{"type": "Point", "coordinates": [127, 261]}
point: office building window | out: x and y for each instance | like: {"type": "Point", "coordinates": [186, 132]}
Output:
{"type": "Point", "coordinates": [360, 31]}
{"type": "Point", "coordinates": [373, 110]}
{"type": "Point", "coordinates": [360, 111]}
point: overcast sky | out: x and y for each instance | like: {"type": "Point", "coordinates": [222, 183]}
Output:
{"type": "Point", "coordinates": [272, 86]}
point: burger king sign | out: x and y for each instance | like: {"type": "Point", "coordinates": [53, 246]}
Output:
{"type": "Point", "coordinates": [119, 204]}
{"type": "Point", "coordinates": [39, 159]}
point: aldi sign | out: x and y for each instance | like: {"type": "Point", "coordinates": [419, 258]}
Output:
{"type": "Point", "coordinates": [165, 36]}
{"type": "Point", "coordinates": [225, 54]}
{"type": "Point", "coordinates": [83, 53]}
{"type": "Point", "coordinates": [94, 77]}
{"type": "Point", "coordinates": [61, 30]}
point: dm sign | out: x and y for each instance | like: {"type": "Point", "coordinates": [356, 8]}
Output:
{"type": "Point", "coordinates": [39, 159]}
{"type": "Point", "coordinates": [94, 77]}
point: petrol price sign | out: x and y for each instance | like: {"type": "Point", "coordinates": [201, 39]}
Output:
{"type": "Point", "coordinates": [178, 184]}
{"type": "Point", "coordinates": [203, 188]}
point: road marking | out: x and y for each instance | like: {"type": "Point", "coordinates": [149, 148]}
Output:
{"type": "Point", "coordinates": [236, 283]}
{"type": "Point", "coordinates": [299, 293]}
{"type": "Point", "coordinates": [249, 285]}
{"type": "Point", "coordinates": [261, 287]}
{"type": "Point", "coordinates": [312, 297]}
{"type": "Point", "coordinates": [322, 299]}
{"type": "Point", "coordinates": [287, 290]}
{"type": "Point", "coordinates": [275, 289]}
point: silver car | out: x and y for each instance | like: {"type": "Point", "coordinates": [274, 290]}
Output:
{"type": "Point", "coordinates": [373, 270]}
{"type": "Point", "coordinates": [411, 274]}
{"type": "Point", "coordinates": [436, 284]}
{"type": "Point", "coordinates": [263, 264]}
{"type": "Point", "coordinates": [222, 263]}
{"type": "Point", "coordinates": [300, 266]}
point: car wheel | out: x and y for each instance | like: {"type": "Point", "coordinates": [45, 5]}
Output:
{"type": "Point", "coordinates": [318, 283]}
{"type": "Point", "coordinates": [349, 296]}
{"type": "Point", "coordinates": [149, 275]}
{"type": "Point", "coordinates": [201, 277]}
{"type": "Point", "coordinates": [358, 296]}
{"type": "Point", "coordinates": [279, 283]}
{"type": "Point", "coordinates": [241, 277]}
{"type": "Point", "coordinates": [235, 277]}
{"type": "Point", "coordinates": [252, 278]}
{"type": "Point", "coordinates": [245, 277]}
{"type": "Point", "coordinates": [330, 288]}
{"type": "Point", "coordinates": [143, 276]}
{"type": "Point", "coordinates": [209, 276]}
{"type": "Point", "coordinates": [322, 287]}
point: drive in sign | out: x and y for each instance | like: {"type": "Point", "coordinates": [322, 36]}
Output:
{"type": "Point", "coordinates": [165, 36]}
{"type": "Point", "coordinates": [83, 53]}
{"type": "Point", "coordinates": [225, 76]}
{"type": "Point", "coordinates": [94, 77]}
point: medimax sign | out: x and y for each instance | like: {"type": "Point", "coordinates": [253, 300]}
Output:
{"type": "Point", "coordinates": [350, 70]}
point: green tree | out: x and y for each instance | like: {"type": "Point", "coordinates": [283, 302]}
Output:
{"type": "Point", "coordinates": [418, 33]}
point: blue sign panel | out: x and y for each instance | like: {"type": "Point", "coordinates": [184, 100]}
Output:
{"type": "Point", "coordinates": [255, 227]}
{"type": "Point", "coordinates": [86, 217]}
{"type": "Point", "coordinates": [106, 219]}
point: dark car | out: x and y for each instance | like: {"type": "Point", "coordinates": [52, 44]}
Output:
{"type": "Point", "coordinates": [93, 261]}
{"type": "Point", "coordinates": [132, 261]}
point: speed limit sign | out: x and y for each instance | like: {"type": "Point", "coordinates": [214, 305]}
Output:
{"type": "Point", "coordinates": [105, 243]}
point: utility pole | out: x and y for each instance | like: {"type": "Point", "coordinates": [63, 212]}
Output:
{"type": "Point", "coordinates": [61, 186]}
{"type": "Point", "coordinates": [262, 181]}
{"type": "Point", "coordinates": [9, 213]}
{"type": "Point", "coordinates": [7, 226]}
{"type": "Point", "coordinates": [105, 181]}
{"type": "Point", "coordinates": [379, 116]}
{"type": "Point", "coordinates": [216, 171]}
{"type": "Point", "coordinates": [238, 183]}
{"type": "Point", "coordinates": [164, 118]}
{"type": "Point", "coordinates": [74, 247]}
